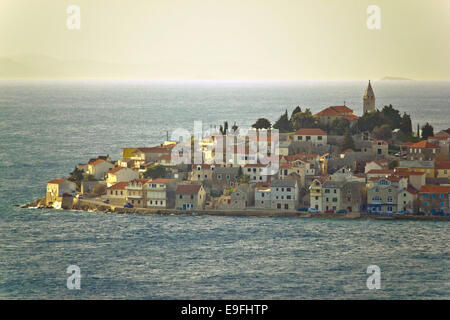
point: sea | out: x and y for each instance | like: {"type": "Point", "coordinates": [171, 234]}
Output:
{"type": "Point", "coordinates": [47, 127]}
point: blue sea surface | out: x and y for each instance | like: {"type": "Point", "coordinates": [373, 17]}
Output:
{"type": "Point", "coordinates": [47, 127]}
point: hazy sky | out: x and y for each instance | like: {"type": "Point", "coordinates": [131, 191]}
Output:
{"type": "Point", "coordinates": [239, 39]}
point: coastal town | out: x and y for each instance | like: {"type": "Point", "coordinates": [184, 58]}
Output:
{"type": "Point", "coordinates": [333, 162]}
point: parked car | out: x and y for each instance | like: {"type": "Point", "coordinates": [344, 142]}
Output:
{"type": "Point", "coordinates": [341, 211]}
{"type": "Point", "coordinates": [302, 209]}
{"type": "Point", "coordinates": [313, 210]}
{"type": "Point", "coordinates": [65, 194]}
{"type": "Point", "coordinates": [402, 212]}
{"type": "Point", "coordinates": [106, 201]}
{"type": "Point", "coordinates": [127, 205]}
{"type": "Point", "coordinates": [329, 211]}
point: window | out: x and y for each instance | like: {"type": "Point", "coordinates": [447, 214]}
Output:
{"type": "Point", "coordinates": [288, 197]}
{"type": "Point", "coordinates": [288, 189]}
{"type": "Point", "coordinates": [334, 191]}
{"type": "Point", "coordinates": [442, 196]}
{"type": "Point", "coordinates": [319, 138]}
{"type": "Point", "coordinates": [228, 177]}
{"type": "Point", "coordinates": [425, 195]}
{"type": "Point", "coordinates": [327, 190]}
{"type": "Point", "coordinates": [181, 196]}
{"type": "Point", "coordinates": [219, 177]}
{"type": "Point", "coordinates": [286, 206]}
{"type": "Point", "coordinates": [433, 195]}
{"type": "Point", "coordinates": [389, 199]}
{"type": "Point", "coordinates": [192, 196]}
{"type": "Point", "coordinates": [334, 199]}
{"type": "Point", "coordinates": [425, 203]}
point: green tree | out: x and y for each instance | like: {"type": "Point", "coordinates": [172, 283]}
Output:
{"type": "Point", "coordinates": [303, 120]}
{"type": "Point", "coordinates": [427, 131]}
{"type": "Point", "coordinates": [77, 176]}
{"type": "Point", "coordinates": [393, 164]}
{"type": "Point", "coordinates": [244, 179]}
{"type": "Point", "coordinates": [383, 132]}
{"type": "Point", "coordinates": [406, 125]}
{"type": "Point", "coordinates": [283, 124]}
{"type": "Point", "coordinates": [348, 142]}
{"type": "Point", "coordinates": [339, 126]}
{"type": "Point", "coordinates": [240, 172]}
{"type": "Point", "coordinates": [391, 116]}
{"type": "Point", "coordinates": [262, 123]}
{"type": "Point", "coordinates": [155, 171]}
{"type": "Point", "coordinates": [296, 110]}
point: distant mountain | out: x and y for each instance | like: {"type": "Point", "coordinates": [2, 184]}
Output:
{"type": "Point", "coordinates": [45, 67]}
{"type": "Point", "coordinates": [395, 78]}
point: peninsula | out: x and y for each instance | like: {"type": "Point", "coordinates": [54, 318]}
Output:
{"type": "Point", "coordinates": [329, 164]}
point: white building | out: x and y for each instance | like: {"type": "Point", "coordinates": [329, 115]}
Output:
{"type": "Point", "coordinates": [161, 193]}
{"type": "Point", "coordinates": [316, 136]}
{"type": "Point", "coordinates": [284, 194]}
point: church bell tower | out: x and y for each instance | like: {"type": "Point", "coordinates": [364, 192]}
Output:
{"type": "Point", "coordinates": [369, 99]}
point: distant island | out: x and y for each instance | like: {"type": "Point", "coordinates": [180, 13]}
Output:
{"type": "Point", "coordinates": [396, 78]}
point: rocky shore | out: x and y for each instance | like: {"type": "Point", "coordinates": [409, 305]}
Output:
{"type": "Point", "coordinates": [95, 206]}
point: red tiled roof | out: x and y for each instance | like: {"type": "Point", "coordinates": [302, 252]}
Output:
{"type": "Point", "coordinates": [300, 156]}
{"type": "Point", "coordinates": [57, 181]}
{"type": "Point", "coordinates": [188, 188]}
{"type": "Point", "coordinates": [407, 143]}
{"type": "Point", "coordinates": [119, 186]}
{"type": "Point", "coordinates": [408, 173]}
{"type": "Point", "coordinates": [334, 111]}
{"type": "Point", "coordinates": [164, 157]}
{"type": "Point", "coordinates": [443, 165]}
{"type": "Point", "coordinates": [285, 166]}
{"type": "Point", "coordinates": [438, 138]}
{"type": "Point", "coordinates": [157, 149]}
{"type": "Point", "coordinates": [350, 117]}
{"type": "Point", "coordinates": [141, 180]}
{"type": "Point", "coordinates": [265, 184]}
{"type": "Point", "coordinates": [434, 189]}
{"type": "Point", "coordinates": [95, 162]}
{"type": "Point", "coordinates": [310, 132]}
{"type": "Point", "coordinates": [390, 178]}
{"type": "Point", "coordinates": [424, 145]}
{"type": "Point", "coordinates": [114, 170]}
{"type": "Point", "coordinates": [382, 171]}
{"type": "Point", "coordinates": [376, 141]}
{"type": "Point", "coordinates": [412, 190]}
{"type": "Point", "coordinates": [162, 180]}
